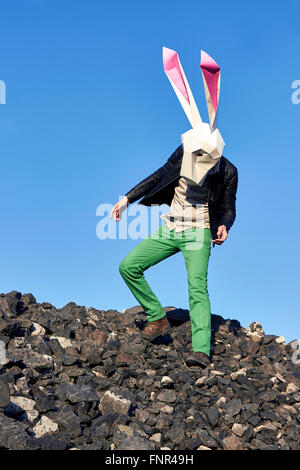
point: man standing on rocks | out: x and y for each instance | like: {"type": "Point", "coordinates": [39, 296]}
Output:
{"type": "Point", "coordinates": [200, 185]}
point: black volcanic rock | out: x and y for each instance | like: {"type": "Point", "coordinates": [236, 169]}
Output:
{"type": "Point", "coordinates": [4, 394]}
{"type": "Point", "coordinates": [84, 378]}
{"type": "Point", "coordinates": [69, 421]}
{"type": "Point", "coordinates": [10, 303]}
{"type": "Point", "coordinates": [76, 393]}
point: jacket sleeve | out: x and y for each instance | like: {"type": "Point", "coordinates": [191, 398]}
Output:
{"type": "Point", "coordinates": [151, 181]}
{"type": "Point", "coordinates": [228, 201]}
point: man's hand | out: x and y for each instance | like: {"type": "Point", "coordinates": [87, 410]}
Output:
{"type": "Point", "coordinates": [221, 234]}
{"type": "Point", "coordinates": [118, 208]}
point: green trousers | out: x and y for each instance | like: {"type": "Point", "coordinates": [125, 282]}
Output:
{"type": "Point", "coordinates": [195, 245]}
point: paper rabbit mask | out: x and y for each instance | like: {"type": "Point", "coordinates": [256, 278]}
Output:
{"type": "Point", "coordinates": [203, 144]}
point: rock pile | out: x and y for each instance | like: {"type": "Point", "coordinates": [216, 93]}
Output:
{"type": "Point", "coordinates": [81, 378]}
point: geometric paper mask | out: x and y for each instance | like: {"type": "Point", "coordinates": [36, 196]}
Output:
{"type": "Point", "coordinates": [203, 145]}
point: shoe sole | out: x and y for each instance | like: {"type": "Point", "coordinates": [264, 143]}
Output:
{"type": "Point", "coordinates": [194, 363]}
{"type": "Point", "coordinates": [157, 335]}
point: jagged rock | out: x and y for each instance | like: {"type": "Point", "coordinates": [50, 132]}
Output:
{"type": "Point", "coordinates": [57, 442]}
{"type": "Point", "coordinates": [157, 438]}
{"type": "Point", "coordinates": [75, 393]}
{"type": "Point", "coordinates": [13, 434]}
{"type": "Point", "coordinates": [63, 342]}
{"type": "Point", "coordinates": [233, 407]}
{"type": "Point", "coordinates": [23, 403]}
{"type": "Point", "coordinates": [220, 402]}
{"type": "Point", "coordinates": [4, 394]}
{"type": "Point", "coordinates": [232, 443]}
{"type": "Point", "coordinates": [254, 420]}
{"type": "Point", "coordinates": [206, 439]}
{"type": "Point", "coordinates": [3, 355]}
{"type": "Point", "coordinates": [31, 415]}
{"type": "Point", "coordinates": [175, 434]}
{"type": "Point", "coordinates": [166, 381]}
{"type": "Point", "coordinates": [95, 446]}
{"type": "Point", "coordinates": [43, 402]}
{"type": "Point", "coordinates": [99, 433]}
{"type": "Point", "coordinates": [292, 388]}
{"type": "Point", "coordinates": [269, 338]}
{"type": "Point", "coordinates": [123, 359]}
{"type": "Point", "coordinates": [10, 302]}
{"type": "Point", "coordinates": [142, 415]}
{"type": "Point", "coordinates": [69, 422]}
{"type": "Point", "coordinates": [37, 329]}
{"type": "Point", "coordinates": [255, 328]}
{"type": "Point", "coordinates": [16, 328]}
{"type": "Point", "coordinates": [239, 429]}
{"type": "Point", "coordinates": [99, 337]}
{"type": "Point", "coordinates": [167, 409]}
{"type": "Point", "coordinates": [90, 352]}
{"type": "Point", "coordinates": [91, 378]}
{"type": "Point", "coordinates": [201, 381]}
{"type": "Point", "coordinates": [122, 432]}
{"type": "Point", "coordinates": [167, 396]}
{"type": "Point", "coordinates": [136, 443]}
{"type": "Point", "coordinates": [28, 299]}
{"type": "Point", "coordinates": [45, 426]}
{"type": "Point", "coordinates": [212, 415]}
{"type": "Point", "coordinates": [113, 403]}
{"type": "Point", "coordinates": [31, 359]}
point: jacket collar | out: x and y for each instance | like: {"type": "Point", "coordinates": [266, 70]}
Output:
{"type": "Point", "coordinates": [215, 169]}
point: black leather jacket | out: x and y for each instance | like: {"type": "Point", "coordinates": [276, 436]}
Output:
{"type": "Point", "coordinates": [158, 188]}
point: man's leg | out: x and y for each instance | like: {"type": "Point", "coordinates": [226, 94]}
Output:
{"type": "Point", "coordinates": [196, 255]}
{"type": "Point", "coordinates": [158, 246]}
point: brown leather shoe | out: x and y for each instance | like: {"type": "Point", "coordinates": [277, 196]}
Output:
{"type": "Point", "coordinates": [198, 359]}
{"type": "Point", "coordinates": [156, 328]}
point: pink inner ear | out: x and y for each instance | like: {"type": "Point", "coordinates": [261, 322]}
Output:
{"type": "Point", "coordinates": [211, 72]}
{"type": "Point", "coordinates": [172, 69]}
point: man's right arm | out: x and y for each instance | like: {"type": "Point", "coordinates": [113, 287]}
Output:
{"type": "Point", "coordinates": [151, 181]}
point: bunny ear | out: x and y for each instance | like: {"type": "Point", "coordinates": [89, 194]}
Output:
{"type": "Point", "coordinates": [175, 74]}
{"type": "Point", "coordinates": [211, 77]}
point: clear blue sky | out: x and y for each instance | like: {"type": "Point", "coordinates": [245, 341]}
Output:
{"type": "Point", "coordinates": [90, 113]}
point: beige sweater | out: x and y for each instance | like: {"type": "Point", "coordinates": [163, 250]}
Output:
{"type": "Point", "coordinates": [184, 215]}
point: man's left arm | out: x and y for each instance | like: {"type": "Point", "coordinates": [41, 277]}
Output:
{"type": "Point", "coordinates": [227, 208]}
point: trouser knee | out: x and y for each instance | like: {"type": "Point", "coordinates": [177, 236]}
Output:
{"type": "Point", "coordinates": [123, 267]}
{"type": "Point", "coordinates": [127, 269]}
{"type": "Point", "coordinates": [198, 285]}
